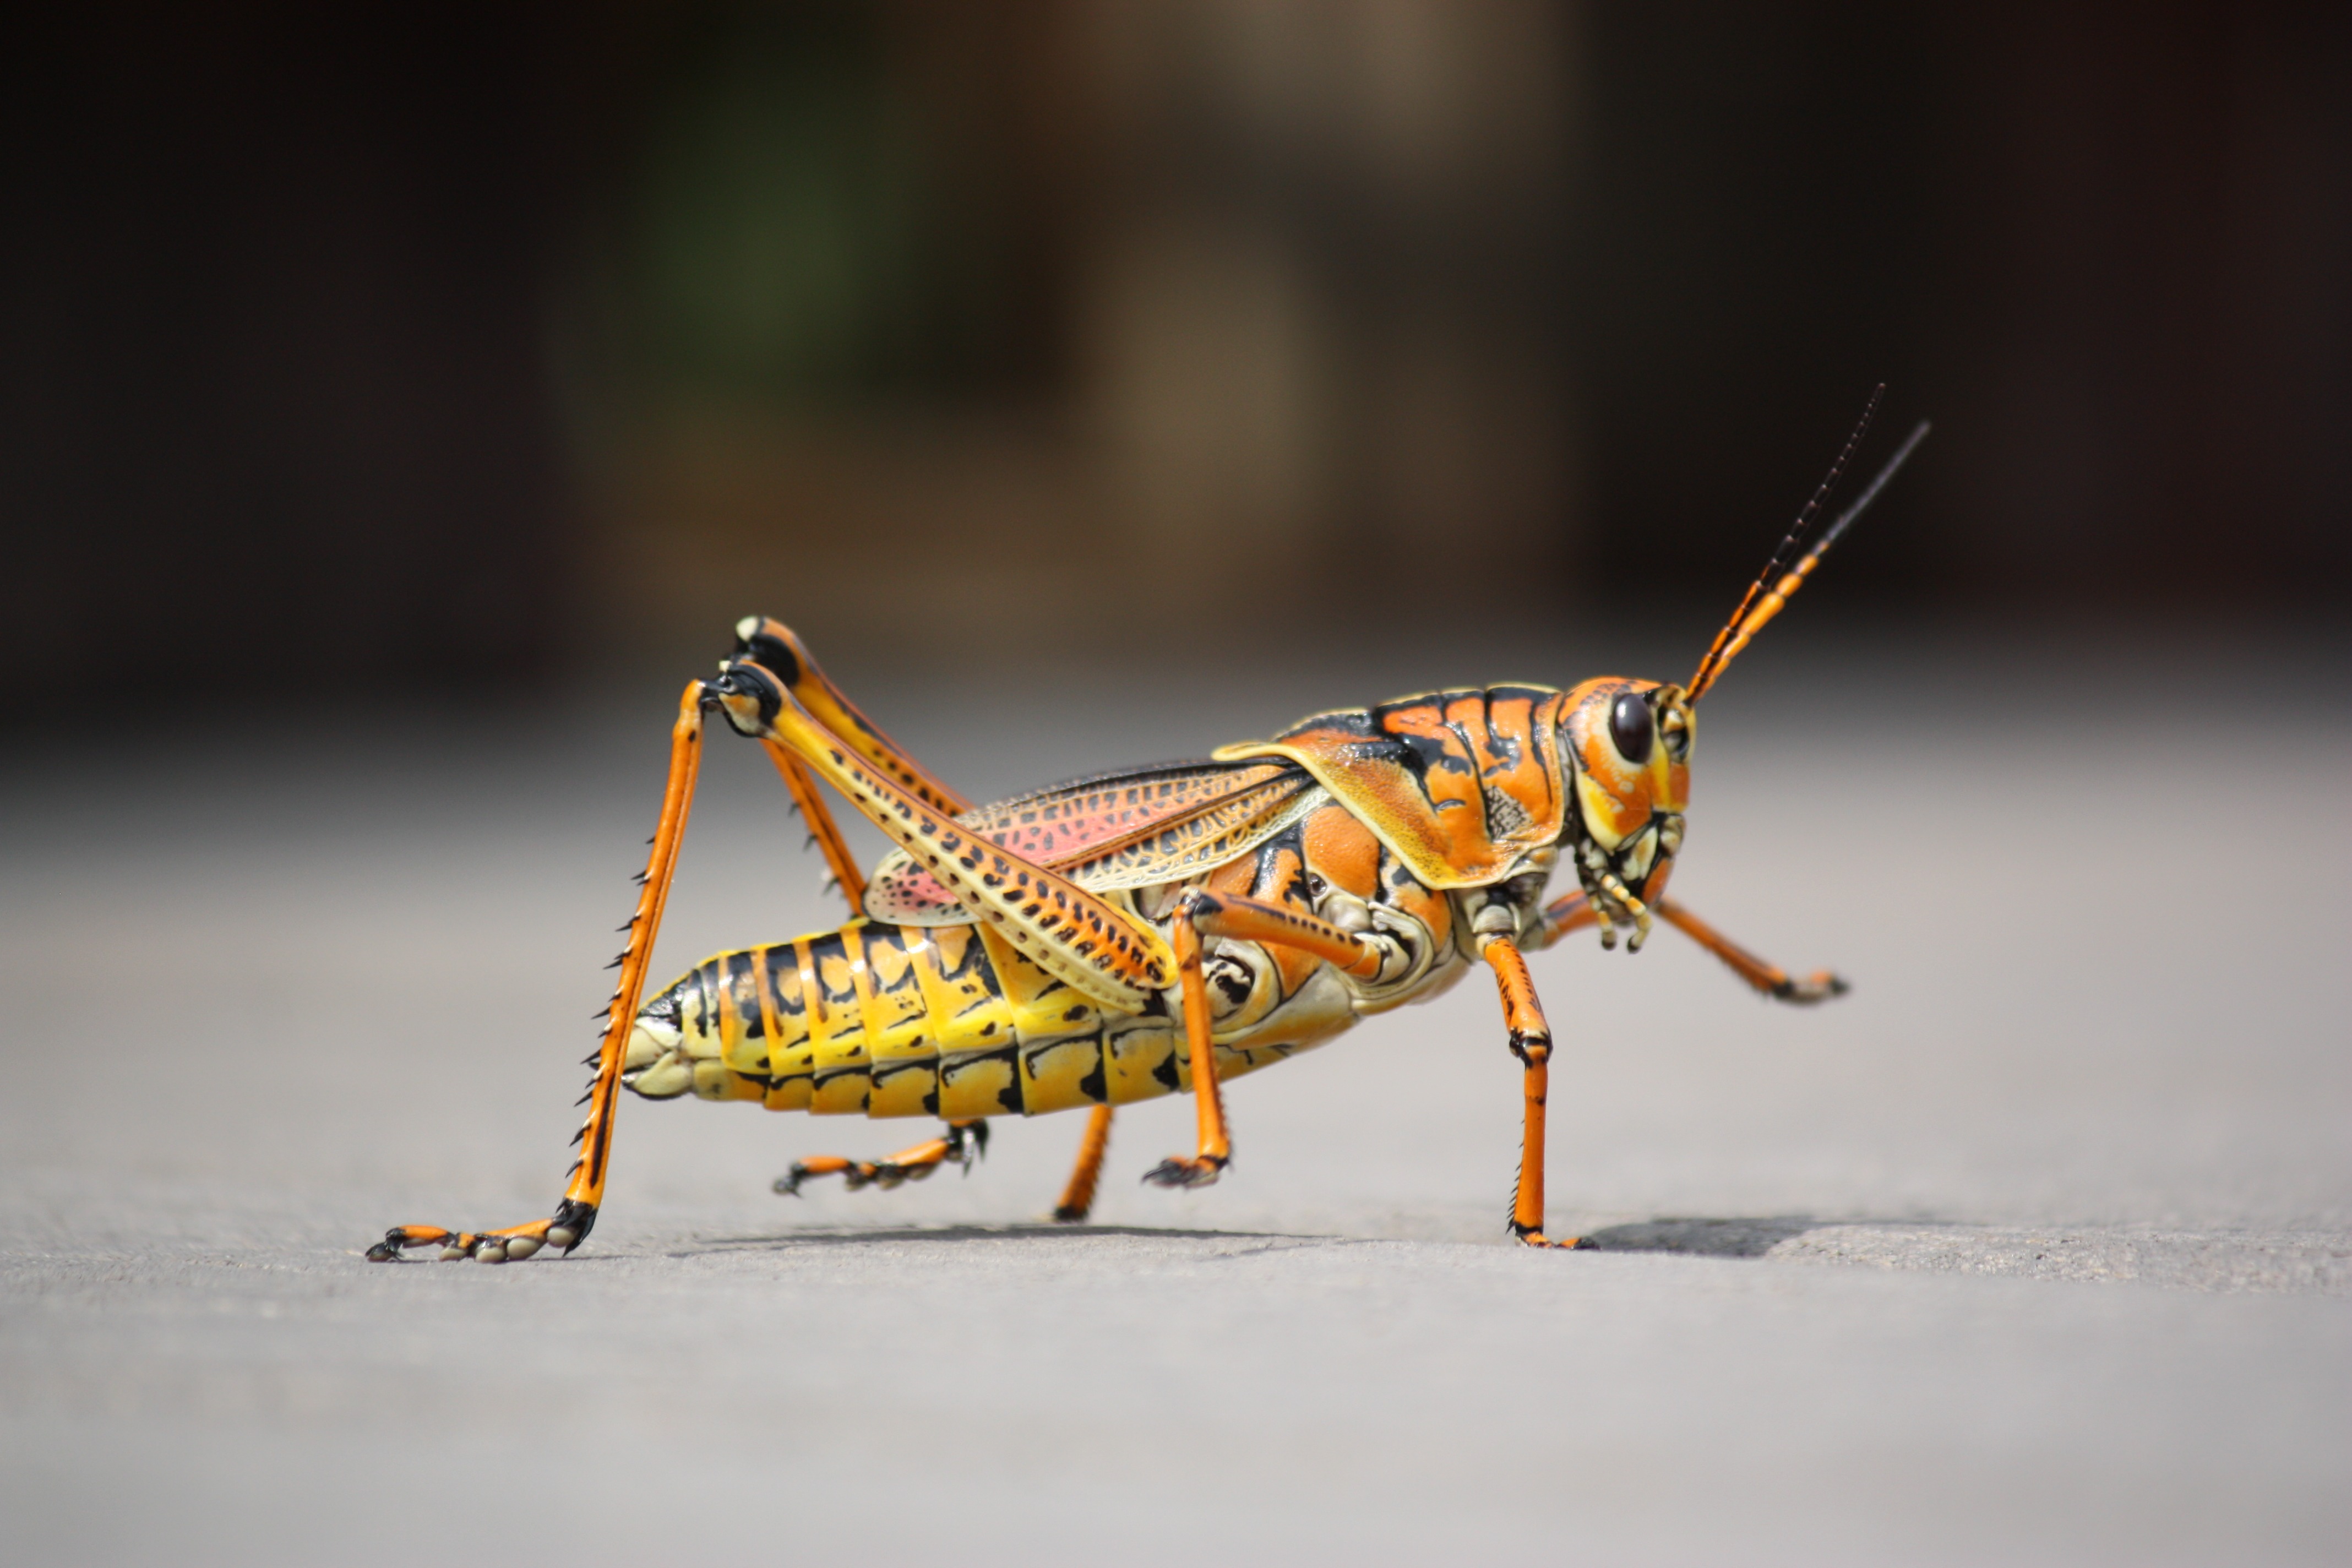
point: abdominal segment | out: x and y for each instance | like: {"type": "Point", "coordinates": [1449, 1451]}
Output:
{"type": "Point", "coordinates": [877, 1019]}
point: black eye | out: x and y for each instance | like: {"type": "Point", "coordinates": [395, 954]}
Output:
{"type": "Point", "coordinates": [1628, 726]}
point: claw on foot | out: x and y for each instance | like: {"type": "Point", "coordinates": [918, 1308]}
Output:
{"type": "Point", "coordinates": [1174, 1171]}
{"type": "Point", "coordinates": [1537, 1238]}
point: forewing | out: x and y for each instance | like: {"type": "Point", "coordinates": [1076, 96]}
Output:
{"type": "Point", "coordinates": [1124, 829]}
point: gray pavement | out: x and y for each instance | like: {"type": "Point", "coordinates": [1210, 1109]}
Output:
{"type": "Point", "coordinates": [2038, 1248]}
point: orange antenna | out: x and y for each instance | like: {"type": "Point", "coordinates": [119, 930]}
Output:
{"type": "Point", "coordinates": [1770, 605]}
{"type": "Point", "coordinates": [1777, 581]}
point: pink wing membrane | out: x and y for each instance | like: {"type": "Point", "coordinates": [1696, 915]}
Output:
{"type": "Point", "coordinates": [1090, 820]}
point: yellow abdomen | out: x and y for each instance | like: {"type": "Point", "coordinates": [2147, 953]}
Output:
{"type": "Point", "coordinates": [888, 1020]}
{"type": "Point", "coordinates": [948, 1021]}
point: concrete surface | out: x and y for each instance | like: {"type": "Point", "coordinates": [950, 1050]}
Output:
{"type": "Point", "coordinates": [2038, 1248]}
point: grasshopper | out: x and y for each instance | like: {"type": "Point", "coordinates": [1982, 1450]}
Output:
{"type": "Point", "coordinates": [1159, 930]}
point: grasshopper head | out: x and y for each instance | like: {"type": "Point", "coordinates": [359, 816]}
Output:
{"type": "Point", "coordinates": [1627, 744]}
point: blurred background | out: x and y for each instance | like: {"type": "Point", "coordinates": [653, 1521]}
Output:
{"type": "Point", "coordinates": [547, 341]}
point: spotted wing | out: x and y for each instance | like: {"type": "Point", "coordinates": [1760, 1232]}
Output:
{"type": "Point", "coordinates": [1462, 785]}
{"type": "Point", "coordinates": [1126, 830]}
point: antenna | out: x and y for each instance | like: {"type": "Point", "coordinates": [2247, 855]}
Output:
{"type": "Point", "coordinates": [1772, 604]}
{"type": "Point", "coordinates": [1719, 652]}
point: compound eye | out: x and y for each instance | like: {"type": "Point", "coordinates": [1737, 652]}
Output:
{"type": "Point", "coordinates": [1628, 726]}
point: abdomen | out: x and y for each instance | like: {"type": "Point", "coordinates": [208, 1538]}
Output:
{"type": "Point", "coordinates": [946, 1021]}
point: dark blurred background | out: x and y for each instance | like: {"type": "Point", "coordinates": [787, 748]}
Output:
{"type": "Point", "coordinates": [467, 348]}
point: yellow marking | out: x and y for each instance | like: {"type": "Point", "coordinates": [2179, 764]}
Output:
{"type": "Point", "coordinates": [980, 1086]}
{"type": "Point", "coordinates": [767, 1031]}
{"type": "Point", "coordinates": [838, 1055]}
{"type": "Point", "coordinates": [1601, 811]}
{"type": "Point", "coordinates": [904, 1055]}
{"type": "Point", "coordinates": [1053, 1077]}
{"type": "Point", "coordinates": [812, 994]}
{"type": "Point", "coordinates": [791, 1064]}
{"type": "Point", "coordinates": [1138, 1055]}
{"type": "Point", "coordinates": [739, 995]}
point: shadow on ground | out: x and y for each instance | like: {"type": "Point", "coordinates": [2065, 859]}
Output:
{"type": "Point", "coordinates": [1741, 1237]}
{"type": "Point", "coordinates": [963, 1233]}
{"type": "Point", "coordinates": [1704, 1238]}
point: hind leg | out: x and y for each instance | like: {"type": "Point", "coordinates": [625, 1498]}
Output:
{"type": "Point", "coordinates": [575, 1216]}
{"type": "Point", "coordinates": [1078, 1194]}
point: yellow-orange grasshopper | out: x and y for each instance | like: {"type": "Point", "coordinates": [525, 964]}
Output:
{"type": "Point", "coordinates": [1159, 929]}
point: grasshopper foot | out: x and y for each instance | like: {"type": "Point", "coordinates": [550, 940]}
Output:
{"type": "Point", "coordinates": [1173, 1172]}
{"type": "Point", "coordinates": [1537, 1238]}
{"type": "Point", "coordinates": [566, 1228]}
{"type": "Point", "coordinates": [1817, 986]}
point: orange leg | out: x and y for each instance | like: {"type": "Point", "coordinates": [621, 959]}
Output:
{"type": "Point", "coordinates": [1200, 913]}
{"type": "Point", "coordinates": [763, 640]}
{"type": "Point", "coordinates": [773, 646]}
{"type": "Point", "coordinates": [1562, 916]}
{"type": "Point", "coordinates": [576, 1215]}
{"type": "Point", "coordinates": [1074, 935]}
{"type": "Point", "coordinates": [1215, 1149]}
{"type": "Point", "coordinates": [1768, 978]}
{"type": "Point", "coordinates": [1079, 1196]}
{"type": "Point", "coordinates": [1530, 1039]}
{"type": "Point", "coordinates": [823, 831]}
{"type": "Point", "coordinates": [1574, 912]}
{"type": "Point", "coordinates": [965, 1142]}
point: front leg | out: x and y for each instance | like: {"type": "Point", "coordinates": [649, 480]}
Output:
{"type": "Point", "coordinates": [1574, 912]}
{"type": "Point", "coordinates": [1770, 978]}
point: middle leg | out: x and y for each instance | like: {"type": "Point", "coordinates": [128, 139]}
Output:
{"type": "Point", "coordinates": [1531, 1038]}
{"type": "Point", "coordinates": [1200, 913]}
{"type": "Point", "coordinates": [963, 1142]}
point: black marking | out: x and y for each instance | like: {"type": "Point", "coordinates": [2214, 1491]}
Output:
{"type": "Point", "coordinates": [1631, 729]}
{"type": "Point", "coordinates": [743, 990]}
{"type": "Point", "coordinates": [577, 1218]}
{"type": "Point", "coordinates": [764, 648]}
